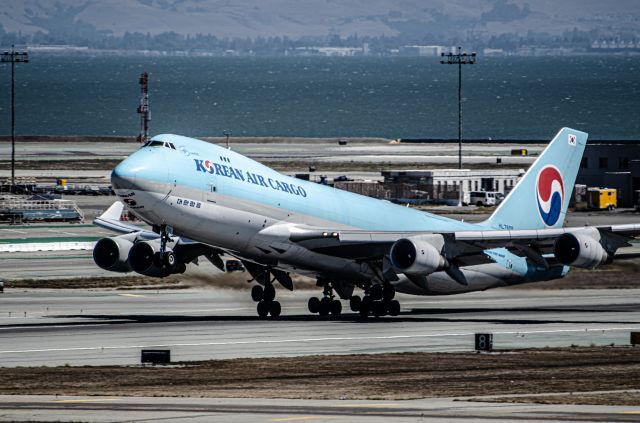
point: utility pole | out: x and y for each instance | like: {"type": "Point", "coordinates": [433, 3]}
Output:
{"type": "Point", "coordinates": [13, 57]}
{"type": "Point", "coordinates": [459, 59]}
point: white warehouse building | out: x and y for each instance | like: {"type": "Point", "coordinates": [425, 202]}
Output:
{"type": "Point", "coordinates": [446, 183]}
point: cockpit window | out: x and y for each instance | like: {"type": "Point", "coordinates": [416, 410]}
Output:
{"type": "Point", "coordinates": [154, 143]}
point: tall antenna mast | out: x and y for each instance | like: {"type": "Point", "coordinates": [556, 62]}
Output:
{"type": "Point", "coordinates": [143, 108]}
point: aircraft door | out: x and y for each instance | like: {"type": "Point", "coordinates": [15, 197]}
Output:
{"type": "Point", "coordinates": [211, 188]}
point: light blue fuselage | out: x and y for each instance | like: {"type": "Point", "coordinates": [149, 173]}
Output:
{"type": "Point", "coordinates": [216, 196]}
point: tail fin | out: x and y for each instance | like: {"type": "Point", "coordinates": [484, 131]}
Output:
{"type": "Point", "coordinates": [541, 197]}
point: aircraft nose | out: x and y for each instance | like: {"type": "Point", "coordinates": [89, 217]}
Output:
{"type": "Point", "coordinates": [123, 176]}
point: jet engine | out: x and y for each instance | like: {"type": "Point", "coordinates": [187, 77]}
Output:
{"type": "Point", "coordinates": [144, 258]}
{"type": "Point", "coordinates": [416, 256]}
{"type": "Point", "coordinates": [112, 253]}
{"type": "Point", "coordinates": [579, 250]}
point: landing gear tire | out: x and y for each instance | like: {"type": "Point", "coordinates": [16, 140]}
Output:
{"type": "Point", "coordinates": [169, 259]}
{"type": "Point", "coordinates": [378, 308]}
{"type": "Point", "coordinates": [365, 306]}
{"type": "Point", "coordinates": [157, 259]}
{"type": "Point", "coordinates": [275, 309]}
{"type": "Point", "coordinates": [325, 306]}
{"type": "Point", "coordinates": [263, 309]}
{"type": "Point", "coordinates": [314, 304]}
{"type": "Point", "coordinates": [182, 268]}
{"type": "Point", "coordinates": [269, 292]}
{"type": "Point", "coordinates": [394, 307]}
{"type": "Point", "coordinates": [355, 302]}
{"type": "Point", "coordinates": [336, 307]}
{"type": "Point", "coordinates": [257, 293]}
{"type": "Point", "coordinates": [388, 293]}
{"type": "Point", "coordinates": [376, 292]}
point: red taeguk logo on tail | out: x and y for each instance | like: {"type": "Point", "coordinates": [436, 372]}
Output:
{"type": "Point", "coordinates": [549, 194]}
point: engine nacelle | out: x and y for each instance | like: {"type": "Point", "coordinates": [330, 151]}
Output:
{"type": "Point", "coordinates": [142, 259]}
{"type": "Point", "coordinates": [417, 256]}
{"type": "Point", "coordinates": [579, 250]}
{"type": "Point", "coordinates": [112, 254]}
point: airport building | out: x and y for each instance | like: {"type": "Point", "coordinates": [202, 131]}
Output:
{"type": "Point", "coordinates": [612, 164]}
{"type": "Point", "coordinates": [444, 184]}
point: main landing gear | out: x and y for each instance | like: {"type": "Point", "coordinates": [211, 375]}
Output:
{"type": "Point", "coordinates": [265, 297]}
{"type": "Point", "coordinates": [327, 305]}
{"type": "Point", "coordinates": [378, 300]}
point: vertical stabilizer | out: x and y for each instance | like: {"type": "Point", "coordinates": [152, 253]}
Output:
{"type": "Point", "coordinates": [541, 198]}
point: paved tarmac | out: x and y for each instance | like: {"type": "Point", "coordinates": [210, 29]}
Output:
{"type": "Point", "coordinates": [120, 409]}
{"type": "Point", "coordinates": [275, 151]}
{"type": "Point", "coordinates": [81, 327]}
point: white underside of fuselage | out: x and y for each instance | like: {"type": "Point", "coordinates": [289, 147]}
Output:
{"type": "Point", "coordinates": [248, 229]}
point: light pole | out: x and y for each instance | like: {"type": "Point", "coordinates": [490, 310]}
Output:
{"type": "Point", "coordinates": [13, 57]}
{"type": "Point", "coordinates": [459, 59]}
{"type": "Point", "coordinates": [227, 133]}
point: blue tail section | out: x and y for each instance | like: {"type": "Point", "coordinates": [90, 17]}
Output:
{"type": "Point", "coordinates": [541, 197]}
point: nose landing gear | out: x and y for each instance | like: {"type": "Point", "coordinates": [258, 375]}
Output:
{"type": "Point", "coordinates": [166, 257]}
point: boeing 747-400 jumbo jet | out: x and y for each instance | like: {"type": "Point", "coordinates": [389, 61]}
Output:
{"type": "Point", "coordinates": [204, 200]}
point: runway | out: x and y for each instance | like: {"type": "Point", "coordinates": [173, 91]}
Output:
{"type": "Point", "coordinates": [286, 149]}
{"type": "Point", "coordinates": [116, 409]}
{"type": "Point", "coordinates": [79, 327]}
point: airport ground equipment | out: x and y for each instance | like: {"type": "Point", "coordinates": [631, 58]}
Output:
{"type": "Point", "coordinates": [16, 209]}
{"type": "Point", "coordinates": [602, 198]}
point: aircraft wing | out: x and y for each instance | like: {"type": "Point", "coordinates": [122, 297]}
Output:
{"type": "Point", "coordinates": [467, 247]}
{"type": "Point", "coordinates": [110, 220]}
{"type": "Point", "coordinates": [188, 249]}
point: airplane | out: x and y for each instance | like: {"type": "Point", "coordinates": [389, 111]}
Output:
{"type": "Point", "coordinates": [203, 200]}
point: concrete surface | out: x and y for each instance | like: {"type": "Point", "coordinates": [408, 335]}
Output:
{"type": "Point", "coordinates": [120, 409]}
{"type": "Point", "coordinates": [80, 327]}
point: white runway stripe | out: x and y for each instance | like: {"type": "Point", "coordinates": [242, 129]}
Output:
{"type": "Point", "coordinates": [323, 339]}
